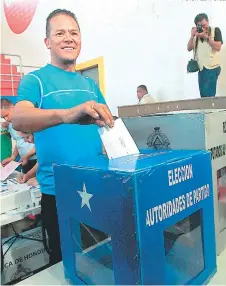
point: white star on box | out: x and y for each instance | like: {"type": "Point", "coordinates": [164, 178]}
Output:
{"type": "Point", "coordinates": [85, 197]}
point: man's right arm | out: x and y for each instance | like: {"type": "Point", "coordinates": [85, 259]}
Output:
{"type": "Point", "coordinates": [28, 118]}
{"type": "Point", "coordinates": [190, 45]}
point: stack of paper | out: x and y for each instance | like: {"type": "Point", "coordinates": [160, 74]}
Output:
{"type": "Point", "coordinates": [8, 170]}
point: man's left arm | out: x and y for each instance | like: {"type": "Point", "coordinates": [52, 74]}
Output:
{"type": "Point", "coordinates": [217, 42]}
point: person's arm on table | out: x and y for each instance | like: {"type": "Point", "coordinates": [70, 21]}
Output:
{"type": "Point", "coordinates": [11, 158]}
{"type": "Point", "coordinates": [23, 178]}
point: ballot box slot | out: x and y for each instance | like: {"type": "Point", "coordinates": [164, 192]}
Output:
{"type": "Point", "coordinates": [93, 255]}
{"type": "Point", "coordinates": [184, 254]}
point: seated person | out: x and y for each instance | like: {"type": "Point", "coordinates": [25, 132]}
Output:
{"type": "Point", "coordinates": [30, 176]}
{"type": "Point", "coordinates": [143, 96]}
{"type": "Point", "coordinates": [24, 149]}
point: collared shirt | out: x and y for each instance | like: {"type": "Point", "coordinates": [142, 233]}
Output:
{"type": "Point", "coordinates": [22, 146]}
{"type": "Point", "coordinates": [146, 99]}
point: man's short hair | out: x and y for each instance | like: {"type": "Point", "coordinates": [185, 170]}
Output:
{"type": "Point", "coordinates": [200, 17]}
{"type": "Point", "coordinates": [5, 103]}
{"type": "Point", "coordinates": [56, 13]}
{"type": "Point", "coordinates": [143, 87]}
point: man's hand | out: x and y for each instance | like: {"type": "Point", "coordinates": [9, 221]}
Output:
{"type": "Point", "coordinates": [190, 45]}
{"type": "Point", "coordinates": [32, 182]}
{"type": "Point", "coordinates": [23, 178]}
{"type": "Point", "coordinates": [193, 32]}
{"type": "Point", "coordinates": [24, 161]}
{"type": "Point", "coordinates": [203, 35]}
{"type": "Point", "coordinates": [89, 112]}
{"type": "Point", "coordinates": [7, 161]}
{"type": "Point", "coordinates": [26, 117]}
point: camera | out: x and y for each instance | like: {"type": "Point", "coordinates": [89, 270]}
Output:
{"type": "Point", "coordinates": [199, 28]}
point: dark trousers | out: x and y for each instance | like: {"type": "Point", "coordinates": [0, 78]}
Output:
{"type": "Point", "coordinates": [29, 166]}
{"type": "Point", "coordinates": [208, 81]}
{"type": "Point", "coordinates": [50, 224]}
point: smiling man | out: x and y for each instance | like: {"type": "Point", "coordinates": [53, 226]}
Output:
{"type": "Point", "coordinates": [55, 103]}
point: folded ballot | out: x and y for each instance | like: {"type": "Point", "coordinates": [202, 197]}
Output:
{"type": "Point", "coordinates": [117, 141]}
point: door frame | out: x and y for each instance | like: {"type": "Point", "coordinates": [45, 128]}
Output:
{"type": "Point", "coordinates": [99, 63]}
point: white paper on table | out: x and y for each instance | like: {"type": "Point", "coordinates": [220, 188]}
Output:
{"type": "Point", "coordinates": [117, 141]}
{"type": "Point", "coordinates": [8, 170]}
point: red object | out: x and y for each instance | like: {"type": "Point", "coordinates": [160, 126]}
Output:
{"type": "Point", "coordinates": [19, 14]}
{"type": "Point", "coordinates": [10, 77]}
{"type": "Point", "coordinates": [31, 217]}
{"type": "Point", "coordinates": [221, 192]}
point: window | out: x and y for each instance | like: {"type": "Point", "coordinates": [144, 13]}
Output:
{"type": "Point", "coordinates": [184, 250]}
{"type": "Point", "coordinates": [93, 254]}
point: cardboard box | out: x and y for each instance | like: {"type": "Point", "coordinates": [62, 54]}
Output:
{"type": "Point", "coordinates": [157, 210]}
{"type": "Point", "coordinates": [191, 130]}
{"type": "Point", "coordinates": [24, 258]}
{"type": "Point", "coordinates": [19, 197]}
{"type": "Point", "coordinates": [13, 200]}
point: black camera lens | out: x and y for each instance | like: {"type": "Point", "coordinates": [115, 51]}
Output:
{"type": "Point", "coordinates": [199, 28]}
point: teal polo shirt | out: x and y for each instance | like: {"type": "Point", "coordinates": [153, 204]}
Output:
{"type": "Point", "coordinates": [53, 88]}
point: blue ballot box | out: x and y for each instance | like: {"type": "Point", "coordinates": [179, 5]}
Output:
{"type": "Point", "coordinates": [153, 214]}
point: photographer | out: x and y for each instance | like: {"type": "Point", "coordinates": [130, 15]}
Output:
{"type": "Point", "coordinates": [206, 42]}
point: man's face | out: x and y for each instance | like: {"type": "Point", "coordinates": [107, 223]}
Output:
{"type": "Point", "coordinates": [64, 40]}
{"type": "Point", "coordinates": [204, 23]}
{"type": "Point", "coordinates": [7, 113]}
{"type": "Point", "coordinates": [140, 92]}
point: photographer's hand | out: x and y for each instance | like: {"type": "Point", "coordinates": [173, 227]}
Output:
{"type": "Point", "coordinates": [190, 45]}
{"type": "Point", "coordinates": [216, 45]}
{"type": "Point", "coordinates": [202, 35]}
{"type": "Point", "coordinates": [193, 32]}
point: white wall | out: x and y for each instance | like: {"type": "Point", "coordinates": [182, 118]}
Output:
{"type": "Point", "coordinates": [142, 42]}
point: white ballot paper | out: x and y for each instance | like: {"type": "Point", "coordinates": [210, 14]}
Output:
{"type": "Point", "coordinates": [117, 141]}
{"type": "Point", "coordinates": [8, 170]}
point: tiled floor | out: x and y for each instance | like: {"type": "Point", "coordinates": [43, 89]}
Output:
{"type": "Point", "coordinates": [220, 276]}
{"type": "Point", "coordinates": [55, 276]}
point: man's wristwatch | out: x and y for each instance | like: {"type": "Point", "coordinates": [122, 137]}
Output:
{"type": "Point", "coordinates": [207, 39]}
